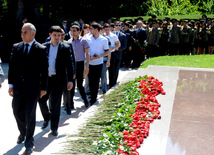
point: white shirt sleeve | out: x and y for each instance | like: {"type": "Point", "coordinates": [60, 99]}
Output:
{"type": "Point", "coordinates": [106, 46]}
{"type": "Point", "coordinates": [116, 38]}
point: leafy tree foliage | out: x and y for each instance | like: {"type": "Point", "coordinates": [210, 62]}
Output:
{"type": "Point", "coordinates": [45, 11]}
{"type": "Point", "coordinates": [176, 7]}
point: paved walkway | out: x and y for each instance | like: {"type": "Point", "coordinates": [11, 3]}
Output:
{"type": "Point", "coordinates": [185, 128]}
{"type": "Point", "coordinates": [45, 143]}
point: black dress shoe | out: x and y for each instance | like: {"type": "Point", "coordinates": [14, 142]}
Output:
{"type": "Point", "coordinates": [92, 102]}
{"type": "Point", "coordinates": [45, 124]}
{"type": "Point", "coordinates": [68, 111]}
{"type": "Point", "coordinates": [54, 133]}
{"type": "Point", "coordinates": [20, 139]}
{"type": "Point", "coordinates": [86, 103]}
{"type": "Point", "coordinates": [28, 151]}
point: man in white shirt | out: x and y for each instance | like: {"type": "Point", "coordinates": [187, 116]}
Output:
{"type": "Point", "coordinates": [98, 49]}
{"type": "Point", "coordinates": [115, 44]}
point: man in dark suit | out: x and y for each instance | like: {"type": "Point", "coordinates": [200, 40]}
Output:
{"type": "Point", "coordinates": [27, 78]}
{"type": "Point", "coordinates": [64, 26]}
{"type": "Point", "coordinates": [69, 35]}
{"type": "Point", "coordinates": [60, 73]}
{"type": "Point", "coordinates": [139, 37]}
{"type": "Point", "coordinates": [126, 58]}
{"type": "Point", "coordinates": [119, 51]}
{"type": "Point", "coordinates": [82, 23]}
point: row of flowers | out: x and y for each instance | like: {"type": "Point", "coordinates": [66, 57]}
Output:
{"type": "Point", "coordinates": [131, 123]}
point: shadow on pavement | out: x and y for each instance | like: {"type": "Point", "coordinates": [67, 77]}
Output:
{"type": "Point", "coordinates": [43, 142]}
{"type": "Point", "coordinates": [15, 150]}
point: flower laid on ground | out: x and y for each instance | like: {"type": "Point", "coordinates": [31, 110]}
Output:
{"type": "Point", "coordinates": [131, 123]}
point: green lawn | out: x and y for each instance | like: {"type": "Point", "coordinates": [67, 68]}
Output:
{"type": "Point", "coordinates": [194, 17]}
{"type": "Point", "coordinates": [198, 61]}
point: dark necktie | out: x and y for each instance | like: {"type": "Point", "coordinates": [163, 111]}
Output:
{"type": "Point", "coordinates": [26, 49]}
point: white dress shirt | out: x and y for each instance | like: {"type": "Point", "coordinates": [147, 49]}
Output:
{"type": "Point", "coordinates": [52, 59]}
{"type": "Point", "coordinates": [97, 46]}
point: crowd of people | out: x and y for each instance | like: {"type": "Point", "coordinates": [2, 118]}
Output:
{"type": "Point", "coordinates": [86, 51]}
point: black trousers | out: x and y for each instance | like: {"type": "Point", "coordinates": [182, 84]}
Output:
{"type": "Point", "coordinates": [174, 48]}
{"type": "Point", "coordinates": [164, 47]}
{"type": "Point", "coordinates": [54, 94]}
{"type": "Point", "coordinates": [79, 80]}
{"type": "Point", "coordinates": [184, 48]}
{"type": "Point", "coordinates": [111, 70]}
{"type": "Point", "coordinates": [24, 110]}
{"type": "Point", "coordinates": [66, 97]}
{"type": "Point", "coordinates": [152, 51]}
{"type": "Point", "coordinates": [138, 56]}
{"type": "Point", "coordinates": [116, 70]}
{"type": "Point", "coordinates": [94, 78]}
{"type": "Point", "coordinates": [127, 57]}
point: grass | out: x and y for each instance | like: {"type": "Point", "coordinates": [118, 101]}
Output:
{"type": "Point", "coordinates": [193, 17]}
{"type": "Point", "coordinates": [198, 61]}
{"type": "Point", "coordinates": [93, 129]}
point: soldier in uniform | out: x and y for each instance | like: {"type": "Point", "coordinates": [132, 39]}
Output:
{"type": "Point", "coordinates": [150, 22]}
{"type": "Point", "coordinates": [178, 22]}
{"type": "Point", "coordinates": [163, 42]}
{"type": "Point", "coordinates": [184, 41]}
{"type": "Point", "coordinates": [159, 23]}
{"type": "Point", "coordinates": [169, 23]}
{"type": "Point", "coordinates": [203, 37]}
{"type": "Point", "coordinates": [209, 21]}
{"type": "Point", "coordinates": [175, 34]}
{"type": "Point", "coordinates": [153, 37]}
{"type": "Point", "coordinates": [192, 37]}
{"type": "Point", "coordinates": [208, 25]}
{"type": "Point", "coordinates": [197, 35]}
{"type": "Point", "coordinates": [211, 41]}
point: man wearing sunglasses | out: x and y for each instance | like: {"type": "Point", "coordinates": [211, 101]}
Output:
{"type": "Point", "coordinates": [119, 52]}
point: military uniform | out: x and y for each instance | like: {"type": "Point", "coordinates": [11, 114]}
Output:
{"type": "Point", "coordinates": [192, 39]}
{"type": "Point", "coordinates": [174, 39]}
{"type": "Point", "coordinates": [212, 36]}
{"type": "Point", "coordinates": [184, 41]}
{"type": "Point", "coordinates": [203, 33]}
{"type": "Point", "coordinates": [203, 38]}
{"type": "Point", "coordinates": [163, 41]}
{"type": "Point", "coordinates": [197, 41]}
{"type": "Point", "coordinates": [152, 41]}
